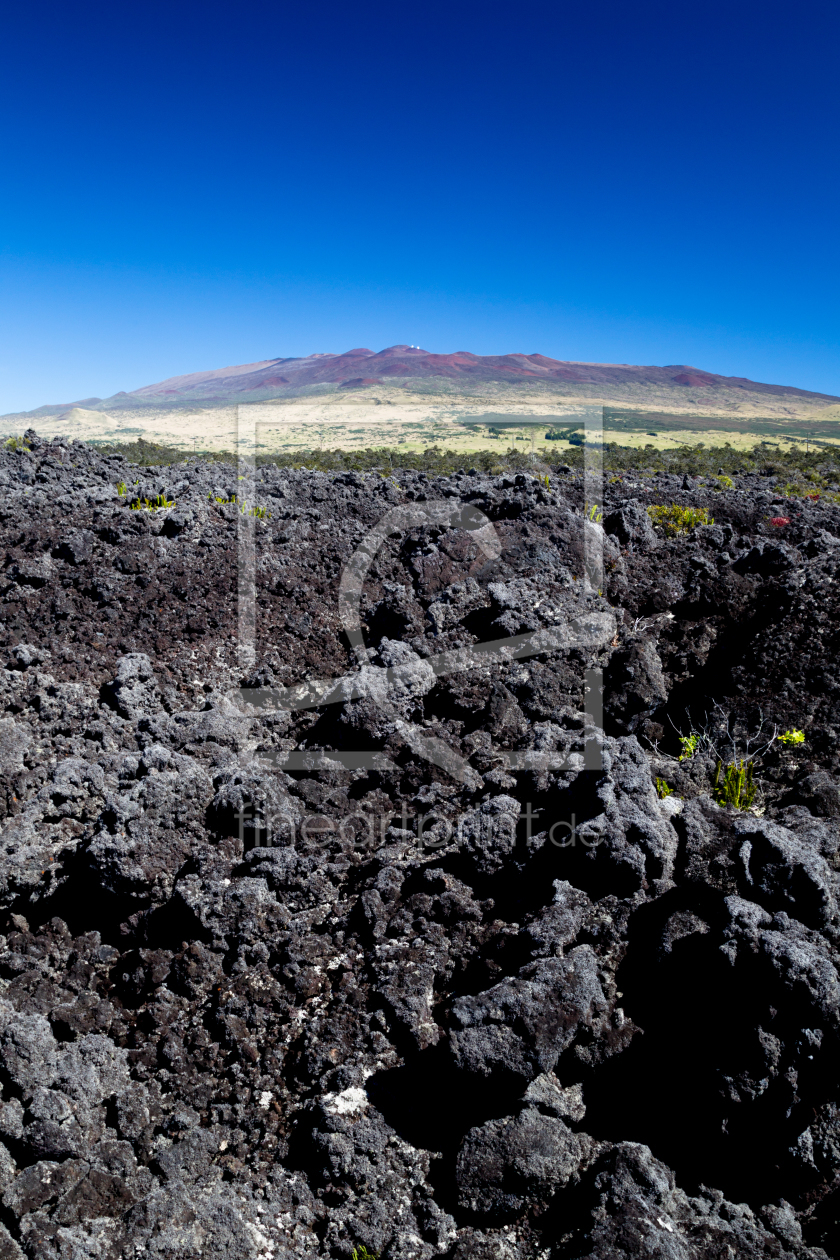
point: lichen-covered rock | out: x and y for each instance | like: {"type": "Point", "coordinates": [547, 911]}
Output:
{"type": "Point", "coordinates": [507, 1163]}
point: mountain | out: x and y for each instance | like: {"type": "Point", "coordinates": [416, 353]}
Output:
{"type": "Point", "coordinates": [678, 386]}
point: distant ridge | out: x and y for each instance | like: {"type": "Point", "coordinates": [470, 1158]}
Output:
{"type": "Point", "coordinates": [680, 384]}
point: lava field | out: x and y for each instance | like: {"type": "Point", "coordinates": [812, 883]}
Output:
{"type": "Point", "coordinates": [417, 924]}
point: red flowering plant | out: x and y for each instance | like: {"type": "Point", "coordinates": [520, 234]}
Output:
{"type": "Point", "coordinates": [779, 520]}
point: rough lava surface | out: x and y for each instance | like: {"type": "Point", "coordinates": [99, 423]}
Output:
{"type": "Point", "coordinates": [260, 1001]}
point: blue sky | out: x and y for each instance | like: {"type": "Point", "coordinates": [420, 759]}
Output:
{"type": "Point", "coordinates": [186, 187]}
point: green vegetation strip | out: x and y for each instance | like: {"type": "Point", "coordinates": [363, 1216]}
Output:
{"type": "Point", "coordinates": [806, 471]}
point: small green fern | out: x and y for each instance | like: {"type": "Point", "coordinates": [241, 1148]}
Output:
{"type": "Point", "coordinates": [734, 785]}
{"type": "Point", "coordinates": [151, 505]}
{"type": "Point", "coordinates": [361, 1253]}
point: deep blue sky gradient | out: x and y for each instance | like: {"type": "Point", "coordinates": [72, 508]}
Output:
{"type": "Point", "coordinates": [186, 187]}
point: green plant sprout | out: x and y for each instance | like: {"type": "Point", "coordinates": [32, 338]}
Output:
{"type": "Point", "coordinates": [594, 513]}
{"type": "Point", "coordinates": [662, 789]}
{"type": "Point", "coordinates": [676, 520]}
{"type": "Point", "coordinates": [262, 513]}
{"type": "Point", "coordinates": [151, 505]}
{"type": "Point", "coordinates": [736, 786]}
{"type": "Point", "coordinates": [122, 488]}
{"type": "Point", "coordinates": [361, 1253]}
{"type": "Point", "coordinates": [736, 753]}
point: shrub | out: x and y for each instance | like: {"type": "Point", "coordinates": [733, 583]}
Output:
{"type": "Point", "coordinates": [792, 737]}
{"type": "Point", "coordinates": [17, 444]}
{"type": "Point", "coordinates": [676, 520]}
{"type": "Point", "coordinates": [572, 435]}
{"type": "Point", "coordinates": [662, 789]}
{"type": "Point", "coordinates": [689, 745]}
{"type": "Point", "coordinates": [734, 785]}
{"type": "Point", "coordinates": [698, 460]}
{"type": "Point", "coordinates": [724, 483]}
{"type": "Point", "coordinates": [157, 453]}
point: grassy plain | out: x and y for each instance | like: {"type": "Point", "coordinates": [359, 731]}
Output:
{"type": "Point", "coordinates": [414, 420]}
